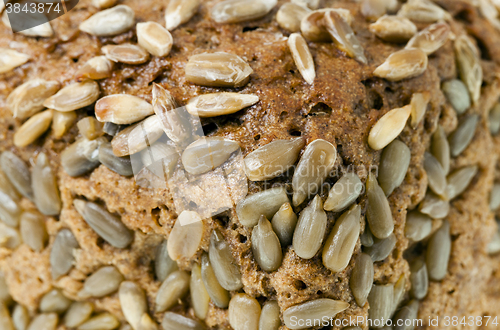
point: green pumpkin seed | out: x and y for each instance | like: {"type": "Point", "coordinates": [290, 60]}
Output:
{"type": "Point", "coordinates": [435, 206]}
{"type": "Point", "coordinates": [399, 293]}
{"type": "Point", "coordinates": [175, 286]}
{"type": "Point", "coordinates": [418, 226]}
{"type": "Point", "coordinates": [459, 180]}
{"type": "Point", "coordinates": [45, 189]}
{"type": "Point", "coordinates": [266, 203]}
{"type": "Point", "coordinates": [120, 165]}
{"type": "Point", "coordinates": [284, 222]}
{"type": "Point", "coordinates": [378, 213]}
{"type": "Point", "coordinates": [185, 237]}
{"type": "Point", "coordinates": [367, 237]}
{"type": "Point", "coordinates": [381, 302]}
{"type": "Point", "coordinates": [207, 153]}
{"type": "Point", "coordinates": [45, 321]}
{"type": "Point", "coordinates": [61, 255]}
{"type": "Point", "coordinates": [457, 94]}
{"type": "Point", "coordinates": [78, 312]}
{"type": "Point", "coordinates": [381, 248]}
{"type": "Point", "coordinates": [54, 302]}
{"type": "Point", "coordinates": [5, 319]}
{"type": "Point", "coordinates": [225, 268]}
{"type": "Point", "coordinates": [18, 173]}
{"type": "Point", "coordinates": [310, 230]}
{"type": "Point", "coordinates": [493, 246]}
{"type": "Point", "coordinates": [10, 211]}
{"type": "Point", "coordinates": [438, 252]}
{"type": "Point", "coordinates": [199, 295]}
{"type": "Point", "coordinates": [81, 157]}
{"type": "Point", "coordinates": [244, 312]}
{"type": "Point", "coordinates": [174, 321]}
{"type": "Point", "coordinates": [362, 278]}
{"type": "Point", "coordinates": [33, 232]}
{"type": "Point", "coordinates": [20, 317]}
{"type": "Point", "coordinates": [394, 163]}
{"type": "Point", "coordinates": [406, 316]}
{"type": "Point", "coordinates": [266, 246]}
{"type": "Point", "coordinates": [494, 119]}
{"type": "Point", "coordinates": [495, 197]}
{"type": "Point", "coordinates": [440, 148]}
{"type": "Point", "coordinates": [419, 279]}
{"type": "Point", "coordinates": [461, 138]}
{"type": "Point", "coordinates": [164, 265]}
{"type": "Point", "coordinates": [218, 295]}
{"type": "Point", "coordinates": [312, 310]}
{"type": "Point", "coordinates": [343, 193]}
{"type": "Point", "coordinates": [435, 174]}
{"type": "Point", "coordinates": [104, 321]}
{"type": "Point", "coordinates": [103, 282]}
{"type": "Point", "coordinates": [270, 316]}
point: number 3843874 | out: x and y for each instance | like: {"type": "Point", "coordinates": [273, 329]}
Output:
{"type": "Point", "coordinates": [470, 321]}
{"type": "Point", "coordinates": [33, 7]}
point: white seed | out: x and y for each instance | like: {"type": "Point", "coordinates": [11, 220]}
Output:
{"type": "Point", "coordinates": [469, 66]}
{"type": "Point", "coordinates": [103, 4]}
{"type": "Point", "coordinates": [11, 59]}
{"type": "Point", "coordinates": [104, 321]}
{"type": "Point", "coordinates": [164, 265]}
{"type": "Point", "coordinates": [33, 128]}
{"type": "Point", "coordinates": [343, 193]}
{"type": "Point", "coordinates": [185, 238]}
{"type": "Point", "coordinates": [154, 38]}
{"type": "Point", "coordinates": [302, 57]}
{"type": "Point", "coordinates": [74, 96]}
{"type": "Point", "coordinates": [20, 318]}
{"type": "Point", "coordinates": [307, 312]}
{"type": "Point", "coordinates": [103, 282]}
{"type": "Point", "coordinates": [174, 321]}
{"type": "Point", "coordinates": [219, 104]}
{"type": "Point", "coordinates": [423, 11]}
{"type": "Point", "coordinates": [393, 28]}
{"type": "Point", "coordinates": [312, 25]}
{"type": "Point", "coordinates": [179, 12]}
{"type": "Point", "coordinates": [225, 267]}
{"type": "Point", "coordinates": [147, 323]}
{"type": "Point", "coordinates": [33, 232]}
{"type": "Point", "coordinates": [284, 222]}
{"type": "Point", "coordinates": [199, 295]}
{"type": "Point", "coordinates": [207, 153]}
{"type": "Point", "coordinates": [175, 286]}
{"type": "Point", "coordinates": [133, 302]}
{"type": "Point", "coordinates": [61, 255]}
{"type": "Point", "coordinates": [431, 38]}
{"type": "Point", "coordinates": [137, 137]}
{"type": "Point", "coordinates": [403, 64]}
{"type": "Point", "coordinates": [62, 122]}
{"type": "Point", "coordinates": [9, 237]}
{"type": "Point", "coordinates": [125, 53]}
{"type": "Point", "coordinates": [122, 109]}
{"type": "Point", "coordinates": [90, 128]}
{"type": "Point", "coordinates": [45, 189]}
{"type": "Point", "coordinates": [311, 4]}
{"type": "Point", "coordinates": [419, 102]}
{"type": "Point", "coordinates": [388, 127]}
{"type": "Point", "coordinates": [27, 99]}
{"type": "Point", "coordinates": [98, 67]}
{"type": "Point", "coordinates": [78, 312]}
{"type": "Point", "coordinates": [310, 230]}
{"type": "Point", "coordinates": [54, 302]}
{"type": "Point", "coordinates": [270, 316]}
{"type": "Point", "coordinates": [109, 22]}
{"type": "Point", "coordinates": [244, 312]}
{"type": "Point", "coordinates": [378, 212]}
{"type": "Point", "coordinates": [235, 11]}
{"type": "Point", "coordinates": [266, 246]}
{"type": "Point", "coordinates": [46, 321]}
{"type": "Point", "coordinates": [289, 16]}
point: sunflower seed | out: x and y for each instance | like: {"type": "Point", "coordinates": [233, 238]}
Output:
{"type": "Point", "coordinates": [340, 244]}
{"type": "Point", "coordinates": [199, 295]}
{"type": "Point", "coordinates": [8, 188]}
{"type": "Point", "coordinates": [133, 302]}
{"type": "Point", "coordinates": [366, 237]}
{"type": "Point", "coordinates": [78, 312]}
{"type": "Point", "coordinates": [381, 248]}
{"type": "Point", "coordinates": [266, 246]}
{"type": "Point", "coordinates": [46, 321]}
{"type": "Point", "coordinates": [11, 59]}
{"type": "Point", "coordinates": [469, 66]}
{"type": "Point", "coordinates": [459, 180]}
{"type": "Point", "coordinates": [312, 25]}
{"type": "Point", "coordinates": [18, 173]}
{"type": "Point", "coordinates": [284, 222]}
{"type": "Point", "coordinates": [120, 165]}
{"type": "Point", "coordinates": [126, 53]}
{"type": "Point", "coordinates": [494, 119]}
{"type": "Point", "coordinates": [418, 226]}
{"type": "Point", "coordinates": [174, 321]}
{"type": "Point", "coordinates": [435, 174]}
{"type": "Point", "coordinates": [33, 232]}
{"type": "Point", "coordinates": [179, 12]}
{"type": "Point", "coordinates": [388, 127]}
{"type": "Point", "coordinates": [434, 206]}
{"type": "Point", "coordinates": [289, 16]}
{"type": "Point", "coordinates": [109, 22]}
{"type": "Point", "coordinates": [102, 4]}
{"type": "Point", "coordinates": [381, 301]}
{"type": "Point", "coordinates": [495, 197]}
{"type": "Point", "coordinates": [236, 11]}
{"type": "Point", "coordinates": [405, 318]}
{"type": "Point", "coordinates": [154, 38]}
{"type": "Point", "coordinates": [373, 9]}
{"type": "Point", "coordinates": [20, 318]}
{"type": "Point", "coordinates": [311, 4]}
{"type": "Point", "coordinates": [343, 36]}
{"type": "Point", "coordinates": [146, 323]}
{"type": "Point", "coordinates": [272, 159]}
{"type": "Point", "coordinates": [164, 265]}
{"type": "Point", "coordinates": [218, 69]}
{"type": "Point", "coordinates": [310, 231]}
{"type": "Point", "coordinates": [61, 256]}
{"type": "Point", "coordinates": [457, 94]}
{"type": "Point", "coordinates": [343, 193]}
{"type": "Point", "coordinates": [218, 295]}
{"type": "Point", "coordinates": [175, 286]}
{"type": "Point", "coordinates": [431, 38]}
{"type": "Point", "coordinates": [74, 96]}
{"type": "Point", "coordinates": [108, 226]}
{"type": "Point", "coordinates": [103, 282]}
{"type": "Point", "coordinates": [98, 67]}
{"type": "Point", "coordinates": [185, 238]}
{"type": "Point", "coordinates": [462, 136]}
{"type": "Point", "coordinates": [378, 212]}
{"type": "Point", "coordinates": [419, 279]}
{"type": "Point", "coordinates": [45, 189]}
{"type": "Point", "coordinates": [312, 310]}
{"type": "Point", "coordinates": [399, 293]}
{"type": "Point", "coordinates": [122, 109]}
{"type": "Point", "coordinates": [81, 157]}
{"type": "Point", "coordinates": [314, 166]}
{"type": "Point", "coordinates": [4, 291]}
{"type": "Point", "coordinates": [302, 56]}
{"type": "Point", "coordinates": [27, 99]}
{"type": "Point", "coordinates": [403, 64]}
{"type": "Point", "coordinates": [207, 153]}
{"type": "Point", "coordinates": [43, 30]}
{"type": "Point", "coordinates": [423, 11]}
{"type": "Point", "coordinates": [103, 321]}
{"type": "Point", "coordinates": [419, 102]}
{"type": "Point", "coordinates": [90, 128]}
{"type": "Point", "coordinates": [111, 129]}
{"type": "Point", "coordinates": [440, 148]}
{"type": "Point", "coordinates": [10, 211]}
{"type": "Point", "coordinates": [9, 237]}
{"type": "Point", "coordinates": [438, 252]}
{"type": "Point", "coordinates": [33, 128]}
{"type": "Point", "coordinates": [362, 278]}
{"type": "Point", "coordinates": [160, 154]}
{"type": "Point", "coordinates": [137, 137]}
{"type": "Point", "coordinates": [270, 316]}
{"type": "Point", "coordinates": [244, 312]}
{"type": "Point", "coordinates": [225, 267]}
{"type": "Point", "coordinates": [218, 104]}
{"type": "Point", "coordinates": [54, 302]}
{"type": "Point", "coordinates": [394, 163]}
{"type": "Point", "coordinates": [393, 28]}
{"type": "Point", "coordinates": [62, 122]}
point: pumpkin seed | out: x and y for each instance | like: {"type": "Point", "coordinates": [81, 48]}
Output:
{"type": "Point", "coordinates": [403, 64]}
{"type": "Point", "coordinates": [343, 193]}
{"type": "Point", "coordinates": [218, 69]}
{"type": "Point", "coordinates": [310, 231]}
{"type": "Point", "coordinates": [440, 148]}
{"type": "Point", "coordinates": [106, 225]}
{"type": "Point", "coordinates": [244, 312]}
{"type": "Point", "coordinates": [174, 321]}
{"type": "Point", "coordinates": [109, 22]}
{"type": "Point", "coordinates": [9, 237]}
{"type": "Point", "coordinates": [11, 59]}
{"type": "Point", "coordinates": [495, 197]}
{"type": "Point", "coordinates": [10, 210]}
{"type": "Point", "coordinates": [407, 316]}
{"type": "Point", "coordinates": [419, 279]}
{"type": "Point", "coordinates": [340, 244]}
{"type": "Point", "coordinates": [199, 295]}
{"type": "Point", "coordinates": [423, 11]}
{"type": "Point", "coordinates": [266, 246]}
{"type": "Point", "coordinates": [62, 122]}
{"type": "Point", "coordinates": [362, 278]}
{"type": "Point", "coordinates": [378, 212]}
{"type": "Point", "coordinates": [175, 286]}
{"type": "Point", "coordinates": [469, 66]}
{"type": "Point", "coordinates": [137, 137]}
{"type": "Point", "coordinates": [394, 163]}
{"type": "Point", "coordinates": [218, 295]}
{"type": "Point", "coordinates": [236, 11]}
{"type": "Point", "coordinates": [289, 16]}
{"type": "Point", "coordinates": [74, 96]}
{"type": "Point", "coordinates": [272, 159]}
{"type": "Point", "coordinates": [90, 128]}
{"type": "Point", "coordinates": [270, 316]}
{"type": "Point", "coordinates": [133, 302]}
{"type": "Point", "coordinates": [164, 265]}
{"type": "Point", "coordinates": [438, 252]}
{"type": "Point", "coordinates": [459, 180]}
{"type": "Point", "coordinates": [54, 302]}
{"type": "Point", "coordinates": [218, 104]}
{"type": "Point", "coordinates": [284, 222]}
{"type": "Point", "coordinates": [381, 302]}
{"type": "Point", "coordinates": [462, 136]}
{"type": "Point", "coordinates": [61, 255]}
{"type": "Point", "coordinates": [367, 237]}
{"type": "Point", "coordinates": [185, 237]}
{"type": "Point", "coordinates": [18, 173]}
{"type": "Point", "coordinates": [393, 28]}
{"type": "Point", "coordinates": [431, 38]}
{"type": "Point", "coordinates": [126, 53]}
{"type": "Point", "coordinates": [78, 312]}
{"type": "Point", "coordinates": [33, 232]}
{"type": "Point", "coordinates": [103, 282]}
{"type": "Point", "coordinates": [314, 166]}
{"type": "Point", "coordinates": [154, 38]}
{"type": "Point", "coordinates": [98, 67]}
{"type": "Point", "coordinates": [312, 25]}
{"type": "Point", "coordinates": [317, 309]}
{"type": "Point", "coordinates": [399, 293]}
{"type": "Point", "coordinates": [33, 128]}
{"type": "Point", "coordinates": [45, 321]}
{"type": "Point", "coordinates": [27, 99]}
{"type": "Point", "coordinates": [434, 206]}
{"type": "Point", "coordinates": [388, 127]}
{"type": "Point", "coordinates": [20, 318]}
{"type": "Point", "coordinates": [122, 109]}
{"type": "Point", "coordinates": [343, 36]}
{"type": "Point", "coordinates": [207, 153]}
{"type": "Point", "coordinates": [179, 12]}
{"type": "Point", "coordinates": [494, 119]}
{"type": "Point", "coordinates": [225, 267]}
{"type": "Point", "coordinates": [81, 157]}
{"type": "Point", "coordinates": [457, 94]}
{"type": "Point", "coordinates": [103, 321]}
{"type": "Point", "coordinates": [435, 174]}
{"type": "Point", "coordinates": [419, 102]}
{"type": "Point", "coordinates": [381, 248]}
{"type": "Point", "coordinates": [45, 189]}
{"type": "Point", "coordinates": [8, 188]}
{"type": "Point", "coordinates": [418, 226]}
{"type": "Point", "coordinates": [302, 56]}
{"type": "Point", "coordinates": [120, 165]}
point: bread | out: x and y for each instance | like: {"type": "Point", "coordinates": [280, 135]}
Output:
{"type": "Point", "coordinates": [340, 112]}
